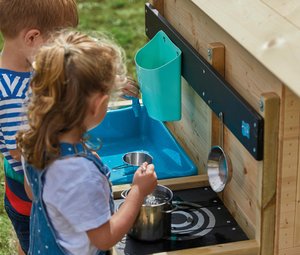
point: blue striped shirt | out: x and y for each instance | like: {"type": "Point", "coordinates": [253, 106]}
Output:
{"type": "Point", "coordinates": [14, 94]}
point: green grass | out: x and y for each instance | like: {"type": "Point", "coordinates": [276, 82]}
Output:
{"type": "Point", "coordinates": [7, 243]}
{"type": "Point", "coordinates": [122, 20]}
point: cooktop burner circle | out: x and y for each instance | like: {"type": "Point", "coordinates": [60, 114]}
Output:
{"type": "Point", "coordinates": [191, 224]}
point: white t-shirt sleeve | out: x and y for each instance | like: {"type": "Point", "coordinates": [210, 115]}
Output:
{"type": "Point", "coordinates": [76, 194]}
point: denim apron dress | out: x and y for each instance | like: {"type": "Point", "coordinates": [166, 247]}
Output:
{"type": "Point", "coordinates": [43, 239]}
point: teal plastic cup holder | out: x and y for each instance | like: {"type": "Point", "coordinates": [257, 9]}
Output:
{"type": "Point", "coordinates": [158, 66]}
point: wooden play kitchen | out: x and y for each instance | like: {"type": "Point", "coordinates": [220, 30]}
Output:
{"type": "Point", "coordinates": [240, 59]}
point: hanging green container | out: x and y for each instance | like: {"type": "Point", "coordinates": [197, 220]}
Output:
{"type": "Point", "coordinates": [158, 66]}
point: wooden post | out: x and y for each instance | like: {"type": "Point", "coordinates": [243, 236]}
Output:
{"type": "Point", "coordinates": [216, 57]}
{"type": "Point", "coordinates": [158, 5]}
{"type": "Point", "coordinates": [270, 108]}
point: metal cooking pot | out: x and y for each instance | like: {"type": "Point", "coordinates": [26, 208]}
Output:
{"type": "Point", "coordinates": [154, 219]}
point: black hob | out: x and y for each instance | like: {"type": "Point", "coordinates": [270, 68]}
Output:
{"type": "Point", "coordinates": [192, 227]}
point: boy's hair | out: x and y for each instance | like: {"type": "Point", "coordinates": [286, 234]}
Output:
{"type": "Point", "coordinates": [45, 15]}
{"type": "Point", "coordinates": [68, 70]}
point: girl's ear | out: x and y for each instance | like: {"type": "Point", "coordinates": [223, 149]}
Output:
{"type": "Point", "coordinates": [100, 105]}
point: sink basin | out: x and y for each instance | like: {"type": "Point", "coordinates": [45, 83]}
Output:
{"type": "Point", "coordinates": [124, 130]}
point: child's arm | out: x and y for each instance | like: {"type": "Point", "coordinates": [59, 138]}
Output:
{"type": "Point", "coordinates": [27, 189]}
{"type": "Point", "coordinates": [26, 182]}
{"type": "Point", "coordinates": [15, 154]}
{"type": "Point", "coordinates": [107, 235]}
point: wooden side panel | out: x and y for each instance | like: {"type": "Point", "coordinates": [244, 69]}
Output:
{"type": "Point", "coordinates": [238, 248]}
{"type": "Point", "coordinates": [249, 247]}
{"type": "Point", "coordinates": [287, 223]}
{"type": "Point", "coordinates": [251, 80]}
{"type": "Point", "coordinates": [268, 177]}
{"type": "Point", "coordinates": [193, 131]}
{"type": "Point", "coordinates": [297, 225]}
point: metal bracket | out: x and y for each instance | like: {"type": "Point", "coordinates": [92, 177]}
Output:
{"type": "Point", "coordinates": [239, 116]}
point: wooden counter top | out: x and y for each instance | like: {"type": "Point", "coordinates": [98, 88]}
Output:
{"type": "Point", "coordinates": [269, 30]}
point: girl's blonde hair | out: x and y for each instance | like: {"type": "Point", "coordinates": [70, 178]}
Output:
{"type": "Point", "coordinates": [68, 70]}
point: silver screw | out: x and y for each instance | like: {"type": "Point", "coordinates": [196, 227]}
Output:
{"type": "Point", "coordinates": [203, 71]}
{"type": "Point", "coordinates": [254, 124]}
{"type": "Point", "coordinates": [254, 149]}
{"type": "Point", "coordinates": [261, 105]}
{"type": "Point", "coordinates": [203, 93]}
{"type": "Point", "coordinates": [209, 54]}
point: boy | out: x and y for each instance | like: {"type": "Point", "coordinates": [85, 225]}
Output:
{"type": "Point", "coordinates": [24, 25]}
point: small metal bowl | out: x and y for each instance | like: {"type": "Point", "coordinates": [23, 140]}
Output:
{"type": "Point", "coordinates": [137, 158]}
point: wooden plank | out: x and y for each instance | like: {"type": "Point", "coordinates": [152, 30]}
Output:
{"type": "Point", "coordinates": [115, 104]}
{"type": "Point", "coordinates": [297, 212]}
{"type": "Point", "coordinates": [242, 207]}
{"type": "Point", "coordinates": [276, 42]}
{"type": "Point", "coordinates": [268, 177]}
{"type": "Point", "coordinates": [237, 248]}
{"type": "Point", "coordinates": [174, 184]}
{"type": "Point", "coordinates": [193, 131]}
{"type": "Point", "coordinates": [249, 247]}
{"type": "Point", "coordinates": [290, 251]}
{"type": "Point", "coordinates": [287, 227]}
{"type": "Point", "coordinates": [185, 182]}
{"type": "Point", "coordinates": [216, 57]}
{"type": "Point", "coordinates": [289, 9]}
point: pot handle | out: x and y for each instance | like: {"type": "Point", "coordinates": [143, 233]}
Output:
{"type": "Point", "coordinates": [121, 167]}
{"type": "Point", "coordinates": [187, 204]}
{"type": "Point", "coordinates": [172, 210]}
{"type": "Point", "coordinates": [182, 205]}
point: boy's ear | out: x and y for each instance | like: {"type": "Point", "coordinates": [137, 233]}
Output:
{"type": "Point", "coordinates": [32, 37]}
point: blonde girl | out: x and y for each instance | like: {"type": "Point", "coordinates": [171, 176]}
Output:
{"type": "Point", "coordinates": [72, 198]}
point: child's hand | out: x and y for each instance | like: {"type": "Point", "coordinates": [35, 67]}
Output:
{"type": "Point", "coordinates": [145, 179]}
{"type": "Point", "coordinates": [131, 89]}
{"type": "Point", "coordinates": [96, 154]}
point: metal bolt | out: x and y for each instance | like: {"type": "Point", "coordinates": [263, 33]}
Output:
{"type": "Point", "coordinates": [261, 105]}
{"type": "Point", "coordinates": [209, 54]}
{"type": "Point", "coordinates": [203, 93]}
{"type": "Point", "coordinates": [203, 71]}
{"type": "Point", "coordinates": [254, 124]}
{"type": "Point", "coordinates": [254, 149]}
